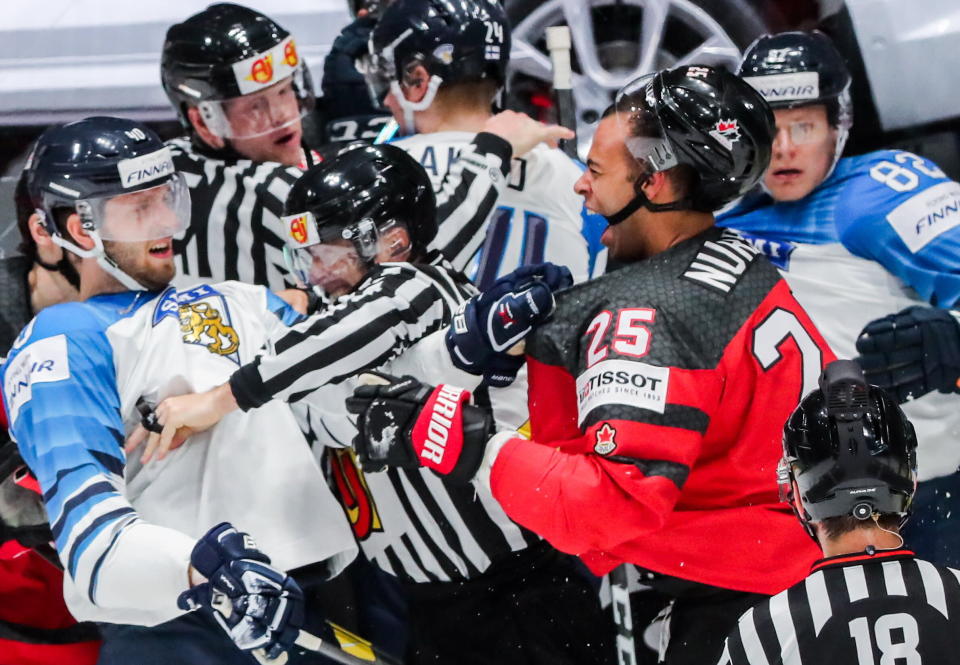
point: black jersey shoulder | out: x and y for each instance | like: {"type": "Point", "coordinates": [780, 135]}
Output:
{"type": "Point", "coordinates": [701, 290]}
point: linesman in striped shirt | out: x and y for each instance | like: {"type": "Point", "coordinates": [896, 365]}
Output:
{"type": "Point", "coordinates": [849, 471]}
{"type": "Point", "coordinates": [241, 89]}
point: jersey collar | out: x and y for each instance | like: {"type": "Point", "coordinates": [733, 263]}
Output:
{"type": "Point", "coordinates": [842, 560]}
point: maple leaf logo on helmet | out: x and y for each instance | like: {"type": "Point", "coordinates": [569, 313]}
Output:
{"type": "Point", "coordinates": [727, 132]}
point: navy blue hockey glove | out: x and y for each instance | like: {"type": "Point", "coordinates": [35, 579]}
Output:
{"type": "Point", "coordinates": [486, 327]}
{"type": "Point", "coordinates": [258, 606]}
{"type": "Point", "coordinates": [404, 423]}
{"type": "Point", "coordinates": [912, 352]}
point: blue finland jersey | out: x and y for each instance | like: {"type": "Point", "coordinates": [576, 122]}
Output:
{"type": "Point", "coordinates": [889, 206]}
{"type": "Point", "coordinates": [64, 410]}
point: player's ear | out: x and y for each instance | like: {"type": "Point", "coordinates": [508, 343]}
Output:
{"type": "Point", "coordinates": [656, 187]}
{"type": "Point", "coordinates": [200, 127]}
{"type": "Point", "coordinates": [47, 250]}
{"type": "Point", "coordinates": [77, 233]}
{"type": "Point", "coordinates": [415, 81]}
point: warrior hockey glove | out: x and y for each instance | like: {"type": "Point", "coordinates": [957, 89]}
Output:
{"type": "Point", "coordinates": [409, 424]}
{"type": "Point", "coordinates": [486, 327]}
{"type": "Point", "coordinates": [912, 352]}
{"type": "Point", "coordinates": [257, 605]}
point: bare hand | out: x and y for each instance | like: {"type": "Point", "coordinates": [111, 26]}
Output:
{"type": "Point", "coordinates": [182, 416]}
{"type": "Point", "coordinates": [296, 298]}
{"type": "Point", "coordinates": [523, 132]}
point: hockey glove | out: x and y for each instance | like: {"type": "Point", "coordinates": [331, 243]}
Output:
{"type": "Point", "coordinates": [409, 424]}
{"type": "Point", "coordinates": [912, 352]}
{"type": "Point", "coordinates": [486, 327]}
{"type": "Point", "coordinates": [258, 606]}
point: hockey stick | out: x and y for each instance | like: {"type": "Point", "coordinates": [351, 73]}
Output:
{"type": "Point", "coordinates": [310, 642]}
{"type": "Point", "coordinates": [622, 616]}
{"type": "Point", "coordinates": [558, 43]}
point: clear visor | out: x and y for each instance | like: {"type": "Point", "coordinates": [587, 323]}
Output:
{"type": "Point", "coordinates": [802, 132]}
{"type": "Point", "coordinates": [379, 72]}
{"type": "Point", "coordinates": [335, 268]}
{"type": "Point", "coordinates": [269, 110]}
{"type": "Point", "coordinates": [149, 214]}
{"type": "Point", "coordinates": [646, 140]}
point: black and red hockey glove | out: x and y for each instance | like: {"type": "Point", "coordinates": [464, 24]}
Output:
{"type": "Point", "coordinates": [404, 423]}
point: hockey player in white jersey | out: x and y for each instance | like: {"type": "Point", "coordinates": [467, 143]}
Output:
{"type": "Point", "coordinates": [858, 239]}
{"type": "Point", "coordinates": [127, 535]}
{"type": "Point", "coordinates": [359, 224]}
{"type": "Point", "coordinates": [438, 67]}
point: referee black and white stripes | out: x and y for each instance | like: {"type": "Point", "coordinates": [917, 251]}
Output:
{"type": "Point", "coordinates": [888, 608]}
{"type": "Point", "coordinates": [235, 231]}
{"type": "Point", "coordinates": [395, 306]}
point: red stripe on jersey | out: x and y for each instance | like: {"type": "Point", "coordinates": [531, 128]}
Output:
{"type": "Point", "coordinates": [847, 559]}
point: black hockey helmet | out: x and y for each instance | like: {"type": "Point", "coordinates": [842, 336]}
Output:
{"type": "Point", "coordinates": [849, 450]}
{"type": "Point", "coordinates": [797, 69]}
{"type": "Point", "coordinates": [358, 195]}
{"type": "Point", "coordinates": [228, 51]}
{"type": "Point", "coordinates": [86, 165]}
{"type": "Point", "coordinates": [454, 40]}
{"type": "Point", "coordinates": [793, 69]}
{"type": "Point", "coordinates": [703, 117]}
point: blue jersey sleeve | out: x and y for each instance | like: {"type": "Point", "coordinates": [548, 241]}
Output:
{"type": "Point", "coordinates": [593, 227]}
{"type": "Point", "coordinates": [282, 310]}
{"type": "Point", "coordinates": [63, 407]}
{"type": "Point", "coordinates": [903, 212]}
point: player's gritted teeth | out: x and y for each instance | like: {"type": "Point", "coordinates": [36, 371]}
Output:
{"type": "Point", "coordinates": [162, 249]}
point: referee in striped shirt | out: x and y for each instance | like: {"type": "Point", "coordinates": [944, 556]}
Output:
{"type": "Point", "coordinates": [849, 471]}
{"type": "Point", "coordinates": [240, 90]}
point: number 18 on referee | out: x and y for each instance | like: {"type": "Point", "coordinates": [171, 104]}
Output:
{"type": "Point", "coordinates": [849, 471]}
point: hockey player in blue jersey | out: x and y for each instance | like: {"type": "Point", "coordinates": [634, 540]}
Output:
{"type": "Point", "coordinates": [140, 546]}
{"type": "Point", "coordinates": [859, 239]}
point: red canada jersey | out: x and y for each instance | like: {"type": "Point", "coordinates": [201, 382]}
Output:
{"type": "Point", "coordinates": [658, 395]}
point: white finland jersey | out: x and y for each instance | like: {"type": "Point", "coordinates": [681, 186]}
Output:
{"type": "Point", "coordinates": [538, 215]}
{"type": "Point", "coordinates": [843, 299]}
{"type": "Point", "coordinates": [124, 532]}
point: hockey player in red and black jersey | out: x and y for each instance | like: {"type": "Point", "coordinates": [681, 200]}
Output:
{"type": "Point", "coordinates": [850, 472]}
{"type": "Point", "coordinates": [658, 392]}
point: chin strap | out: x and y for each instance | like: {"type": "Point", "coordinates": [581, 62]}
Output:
{"type": "Point", "coordinates": [640, 200]}
{"type": "Point", "coordinates": [103, 260]}
{"type": "Point", "coordinates": [409, 108]}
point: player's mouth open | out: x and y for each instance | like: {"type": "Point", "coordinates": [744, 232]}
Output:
{"type": "Point", "coordinates": [162, 250]}
{"type": "Point", "coordinates": [285, 138]}
{"type": "Point", "coordinates": [787, 174]}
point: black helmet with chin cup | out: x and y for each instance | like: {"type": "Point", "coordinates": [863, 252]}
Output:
{"type": "Point", "coordinates": [227, 51]}
{"type": "Point", "coordinates": [702, 117]}
{"type": "Point", "coordinates": [849, 450]}
{"type": "Point", "coordinates": [358, 194]}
